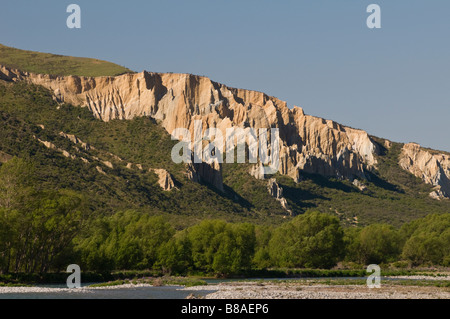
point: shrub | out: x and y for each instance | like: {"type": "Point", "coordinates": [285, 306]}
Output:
{"type": "Point", "coordinates": [311, 240]}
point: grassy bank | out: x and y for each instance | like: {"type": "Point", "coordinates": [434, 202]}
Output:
{"type": "Point", "coordinates": [46, 63]}
{"type": "Point", "coordinates": [156, 278]}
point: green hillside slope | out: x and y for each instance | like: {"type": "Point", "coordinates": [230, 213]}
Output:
{"type": "Point", "coordinates": [76, 198]}
{"type": "Point", "coordinates": [392, 196]}
{"type": "Point", "coordinates": [47, 63]}
{"type": "Point", "coordinates": [30, 114]}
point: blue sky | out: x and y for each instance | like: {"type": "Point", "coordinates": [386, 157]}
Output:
{"type": "Point", "coordinates": [393, 82]}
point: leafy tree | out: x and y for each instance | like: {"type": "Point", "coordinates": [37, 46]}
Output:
{"type": "Point", "coordinates": [428, 241]}
{"type": "Point", "coordinates": [175, 255]}
{"type": "Point", "coordinates": [89, 245]}
{"type": "Point", "coordinates": [16, 180]}
{"type": "Point", "coordinates": [262, 258]}
{"type": "Point", "coordinates": [310, 240]}
{"type": "Point", "coordinates": [374, 244]}
{"type": "Point", "coordinates": [221, 247]}
{"type": "Point", "coordinates": [126, 240]}
{"type": "Point", "coordinates": [33, 239]}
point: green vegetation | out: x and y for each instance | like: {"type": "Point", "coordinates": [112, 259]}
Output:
{"type": "Point", "coordinates": [377, 243]}
{"type": "Point", "coordinates": [64, 204]}
{"type": "Point", "coordinates": [40, 230]}
{"type": "Point", "coordinates": [428, 240]}
{"type": "Point", "coordinates": [155, 281]}
{"type": "Point", "coordinates": [46, 63]}
{"type": "Point", "coordinates": [55, 208]}
{"type": "Point", "coordinates": [136, 141]}
{"type": "Point", "coordinates": [312, 240]}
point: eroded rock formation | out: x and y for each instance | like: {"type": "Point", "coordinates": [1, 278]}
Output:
{"type": "Point", "coordinates": [432, 168]}
{"type": "Point", "coordinates": [308, 143]}
{"type": "Point", "coordinates": [165, 180]}
{"type": "Point", "coordinates": [277, 192]}
{"type": "Point", "coordinates": [206, 173]}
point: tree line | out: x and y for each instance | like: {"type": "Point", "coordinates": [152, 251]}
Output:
{"type": "Point", "coordinates": [43, 231]}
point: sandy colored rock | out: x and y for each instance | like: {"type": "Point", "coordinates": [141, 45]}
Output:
{"type": "Point", "coordinates": [48, 144]}
{"type": "Point", "coordinates": [308, 143]}
{"type": "Point", "coordinates": [277, 192]}
{"type": "Point", "coordinates": [76, 140]}
{"type": "Point", "coordinates": [257, 171]}
{"type": "Point", "coordinates": [100, 170]}
{"type": "Point", "coordinates": [108, 164]}
{"type": "Point", "coordinates": [165, 180]}
{"type": "Point", "coordinates": [433, 169]}
{"type": "Point", "coordinates": [4, 157]}
{"type": "Point", "coordinates": [359, 184]}
{"type": "Point", "coordinates": [206, 173]}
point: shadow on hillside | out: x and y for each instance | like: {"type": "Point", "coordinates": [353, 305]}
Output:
{"type": "Point", "coordinates": [326, 182]}
{"type": "Point", "coordinates": [235, 197]}
{"type": "Point", "coordinates": [299, 196]}
{"type": "Point", "coordinates": [229, 193]}
{"type": "Point", "coordinates": [379, 182]}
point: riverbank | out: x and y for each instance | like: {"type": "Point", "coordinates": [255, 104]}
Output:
{"type": "Point", "coordinates": [126, 291]}
{"type": "Point", "coordinates": [149, 276]}
{"type": "Point", "coordinates": [305, 290]}
{"type": "Point", "coordinates": [401, 287]}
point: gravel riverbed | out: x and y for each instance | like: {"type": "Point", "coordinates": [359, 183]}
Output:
{"type": "Point", "coordinates": [13, 290]}
{"type": "Point", "coordinates": [250, 290]}
{"type": "Point", "coordinates": [273, 290]}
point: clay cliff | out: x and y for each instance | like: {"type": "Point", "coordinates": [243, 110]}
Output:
{"type": "Point", "coordinates": [308, 143]}
{"type": "Point", "coordinates": [433, 168]}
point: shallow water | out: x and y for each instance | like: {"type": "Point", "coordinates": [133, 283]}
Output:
{"type": "Point", "coordinates": [146, 292]}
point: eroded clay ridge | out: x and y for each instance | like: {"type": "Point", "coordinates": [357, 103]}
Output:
{"type": "Point", "coordinates": [432, 168]}
{"type": "Point", "coordinates": [309, 143]}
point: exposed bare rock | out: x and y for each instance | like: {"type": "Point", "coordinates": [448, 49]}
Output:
{"type": "Point", "coordinates": [70, 137]}
{"type": "Point", "coordinates": [76, 140]}
{"type": "Point", "coordinates": [308, 143]}
{"type": "Point", "coordinates": [165, 179]}
{"type": "Point", "coordinates": [277, 192]}
{"type": "Point", "coordinates": [4, 157]}
{"type": "Point", "coordinates": [99, 169]}
{"type": "Point", "coordinates": [47, 144]}
{"type": "Point", "coordinates": [138, 166]}
{"type": "Point", "coordinates": [65, 153]}
{"type": "Point", "coordinates": [360, 185]}
{"type": "Point", "coordinates": [387, 144]}
{"type": "Point", "coordinates": [191, 173]}
{"type": "Point", "coordinates": [52, 146]}
{"type": "Point", "coordinates": [257, 171]}
{"type": "Point", "coordinates": [274, 189]}
{"type": "Point", "coordinates": [114, 156]}
{"type": "Point", "coordinates": [433, 169]}
{"type": "Point", "coordinates": [108, 163]}
{"type": "Point", "coordinates": [437, 193]}
{"type": "Point", "coordinates": [204, 172]}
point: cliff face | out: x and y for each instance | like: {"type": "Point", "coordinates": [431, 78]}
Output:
{"type": "Point", "coordinates": [433, 169]}
{"type": "Point", "coordinates": [308, 143]}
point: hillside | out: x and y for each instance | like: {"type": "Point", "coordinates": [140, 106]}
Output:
{"type": "Point", "coordinates": [47, 63]}
{"type": "Point", "coordinates": [116, 171]}
{"type": "Point", "coordinates": [139, 141]}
